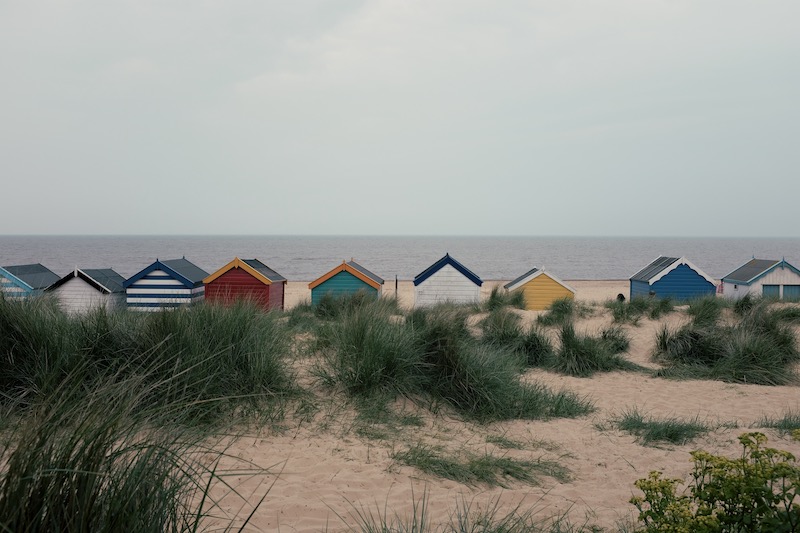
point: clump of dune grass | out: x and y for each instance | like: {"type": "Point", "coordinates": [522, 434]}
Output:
{"type": "Point", "coordinates": [208, 352]}
{"type": "Point", "coordinates": [471, 469]}
{"type": "Point", "coordinates": [706, 311]}
{"type": "Point", "coordinates": [367, 354]}
{"type": "Point", "coordinates": [501, 328]}
{"type": "Point", "coordinates": [500, 298]}
{"type": "Point", "coordinates": [786, 424]}
{"type": "Point", "coordinates": [760, 349]}
{"type": "Point", "coordinates": [105, 463]}
{"type": "Point", "coordinates": [467, 517]}
{"type": "Point", "coordinates": [584, 355]}
{"type": "Point", "coordinates": [636, 308]}
{"type": "Point", "coordinates": [482, 380]}
{"type": "Point", "coordinates": [651, 430]}
{"type": "Point", "coordinates": [332, 307]}
{"type": "Point", "coordinates": [745, 304]}
{"type": "Point", "coordinates": [562, 311]}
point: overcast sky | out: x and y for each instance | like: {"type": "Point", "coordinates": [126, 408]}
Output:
{"type": "Point", "coordinates": [463, 117]}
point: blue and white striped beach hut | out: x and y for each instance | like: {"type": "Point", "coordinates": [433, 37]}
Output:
{"type": "Point", "coordinates": [165, 284]}
{"type": "Point", "coordinates": [22, 281]}
{"type": "Point", "coordinates": [672, 277]}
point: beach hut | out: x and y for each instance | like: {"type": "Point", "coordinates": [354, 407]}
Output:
{"type": "Point", "coordinates": [22, 281]}
{"type": "Point", "coordinates": [165, 284]}
{"type": "Point", "coordinates": [446, 280]}
{"type": "Point", "coordinates": [770, 278]}
{"type": "Point", "coordinates": [540, 289]}
{"type": "Point", "coordinates": [672, 277]}
{"type": "Point", "coordinates": [246, 279]}
{"type": "Point", "coordinates": [83, 290]}
{"type": "Point", "coordinates": [347, 278]}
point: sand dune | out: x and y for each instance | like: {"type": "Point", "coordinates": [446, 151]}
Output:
{"type": "Point", "coordinates": [326, 472]}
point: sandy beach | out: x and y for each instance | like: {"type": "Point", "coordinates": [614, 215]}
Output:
{"type": "Point", "coordinates": [325, 472]}
{"type": "Point", "coordinates": [585, 290]}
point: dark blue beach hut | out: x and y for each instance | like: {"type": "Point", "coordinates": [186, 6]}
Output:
{"type": "Point", "coordinates": [672, 277]}
{"type": "Point", "coordinates": [22, 281]}
{"type": "Point", "coordinates": [165, 284]}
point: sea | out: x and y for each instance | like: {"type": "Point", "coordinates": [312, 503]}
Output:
{"type": "Point", "coordinates": [305, 258]}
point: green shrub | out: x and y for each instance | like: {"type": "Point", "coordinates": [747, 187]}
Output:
{"type": "Point", "coordinates": [755, 492]}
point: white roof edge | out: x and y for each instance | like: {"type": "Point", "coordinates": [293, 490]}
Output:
{"type": "Point", "coordinates": [536, 274]}
{"type": "Point", "coordinates": [91, 278]}
{"type": "Point", "coordinates": [676, 264]}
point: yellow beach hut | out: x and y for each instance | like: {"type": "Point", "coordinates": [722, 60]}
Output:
{"type": "Point", "coordinates": [540, 288]}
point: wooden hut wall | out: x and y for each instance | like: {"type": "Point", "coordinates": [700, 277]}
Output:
{"type": "Point", "coordinates": [341, 284]}
{"type": "Point", "coordinates": [238, 284]}
{"type": "Point", "coordinates": [446, 285]}
{"type": "Point", "coordinates": [542, 291]}
{"type": "Point", "coordinates": [158, 289]}
{"type": "Point", "coordinates": [77, 296]}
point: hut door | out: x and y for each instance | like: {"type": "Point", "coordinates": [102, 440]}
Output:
{"type": "Point", "coordinates": [771, 291]}
{"type": "Point", "coordinates": [791, 292]}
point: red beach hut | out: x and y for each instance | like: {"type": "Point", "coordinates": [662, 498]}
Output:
{"type": "Point", "coordinates": [248, 279]}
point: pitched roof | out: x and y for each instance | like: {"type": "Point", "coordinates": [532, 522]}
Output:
{"type": "Point", "coordinates": [183, 270]}
{"type": "Point", "coordinates": [353, 268]}
{"type": "Point", "coordinates": [653, 269]}
{"type": "Point", "coordinates": [254, 267]}
{"type": "Point", "coordinates": [35, 276]}
{"type": "Point", "coordinates": [754, 269]}
{"type": "Point", "coordinates": [663, 266]}
{"type": "Point", "coordinates": [533, 274]}
{"type": "Point", "coordinates": [104, 280]}
{"type": "Point", "coordinates": [513, 282]}
{"type": "Point", "coordinates": [264, 269]}
{"type": "Point", "coordinates": [441, 263]}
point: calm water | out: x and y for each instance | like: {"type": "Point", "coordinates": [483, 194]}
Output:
{"type": "Point", "coordinates": [304, 258]}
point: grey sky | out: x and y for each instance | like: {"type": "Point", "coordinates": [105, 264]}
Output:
{"type": "Point", "coordinates": [558, 117]}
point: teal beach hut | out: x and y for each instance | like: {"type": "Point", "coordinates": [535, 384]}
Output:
{"type": "Point", "coordinates": [346, 279]}
{"type": "Point", "coordinates": [22, 281]}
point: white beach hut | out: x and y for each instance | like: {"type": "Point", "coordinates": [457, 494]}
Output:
{"type": "Point", "coordinates": [83, 290]}
{"type": "Point", "coordinates": [770, 278]}
{"type": "Point", "coordinates": [446, 280]}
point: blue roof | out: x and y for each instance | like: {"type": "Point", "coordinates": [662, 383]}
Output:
{"type": "Point", "coordinates": [35, 276]}
{"type": "Point", "coordinates": [181, 269]}
{"type": "Point", "coordinates": [441, 263]}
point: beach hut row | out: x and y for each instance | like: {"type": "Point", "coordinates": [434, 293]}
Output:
{"type": "Point", "coordinates": [178, 282]}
